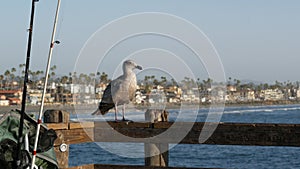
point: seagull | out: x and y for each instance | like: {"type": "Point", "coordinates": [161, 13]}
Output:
{"type": "Point", "coordinates": [120, 91]}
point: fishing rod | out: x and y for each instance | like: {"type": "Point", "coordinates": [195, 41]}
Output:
{"type": "Point", "coordinates": [45, 86]}
{"type": "Point", "coordinates": [20, 136]}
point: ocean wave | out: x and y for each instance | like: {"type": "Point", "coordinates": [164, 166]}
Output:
{"type": "Point", "coordinates": [268, 109]}
{"type": "Point", "coordinates": [188, 115]}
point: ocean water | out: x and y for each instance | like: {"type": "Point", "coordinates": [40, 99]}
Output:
{"type": "Point", "coordinates": [206, 156]}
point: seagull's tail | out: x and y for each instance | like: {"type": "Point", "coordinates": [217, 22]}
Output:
{"type": "Point", "coordinates": [105, 107]}
{"type": "Point", "coordinates": [97, 112]}
{"type": "Point", "coordinates": [102, 111]}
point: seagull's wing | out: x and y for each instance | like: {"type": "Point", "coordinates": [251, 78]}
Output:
{"type": "Point", "coordinates": [120, 90]}
{"type": "Point", "coordinates": [112, 94]}
{"type": "Point", "coordinates": [132, 88]}
{"type": "Point", "coordinates": [106, 102]}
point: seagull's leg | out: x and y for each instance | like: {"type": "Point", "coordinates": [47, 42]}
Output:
{"type": "Point", "coordinates": [116, 112]}
{"type": "Point", "coordinates": [124, 115]}
{"type": "Point", "coordinates": [123, 112]}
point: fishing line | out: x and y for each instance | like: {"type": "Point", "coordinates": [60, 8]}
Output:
{"type": "Point", "coordinates": [60, 28]}
{"type": "Point", "coordinates": [61, 20]}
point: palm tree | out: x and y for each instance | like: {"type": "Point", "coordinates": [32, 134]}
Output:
{"type": "Point", "coordinates": [12, 71]}
{"type": "Point", "coordinates": [229, 81]}
{"type": "Point", "coordinates": [186, 82]}
{"type": "Point", "coordinates": [53, 68]}
{"type": "Point", "coordinates": [7, 75]}
{"type": "Point", "coordinates": [33, 78]}
{"type": "Point", "coordinates": [173, 81]}
{"type": "Point", "coordinates": [147, 86]}
{"type": "Point", "coordinates": [64, 79]}
{"type": "Point", "coordinates": [146, 78]}
{"type": "Point", "coordinates": [163, 81]}
{"type": "Point", "coordinates": [92, 76]}
{"type": "Point", "coordinates": [71, 76]}
{"type": "Point", "coordinates": [12, 75]}
{"type": "Point", "coordinates": [1, 79]}
{"type": "Point", "coordinates": [208, 82]}
{"type": "Point", "coordinates": [82, 78]}
{"type": "Point", "coordinates": [297, 84]}
{"type": "Point", "coordinates": [103, 78]}
{"type": "Point", "coordinates": [156, 82]}
{"type": "Point", "coordinates": [152, 78]}
{"type": "Point", "coordinates": [74, 76]}
{"type": "Point", "coordinates": [21, 69]}
{"type": "Point", "coordinates": [21, 75]}
{"type": "Point", "coordinates": [237, 83]}
{"type": "Point", "coordinates": [52, 73]}
{"type": "Point", "coordinates": [98, 77]}
{"type": "Point", "coordinates": [199, 84]}
{"type": "Point", "coordinates": [88, 79]}
{"type": "Point", "coordinates": [266, 86]}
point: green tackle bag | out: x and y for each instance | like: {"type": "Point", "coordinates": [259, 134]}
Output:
{"type": "Point", "coordinates": [9, 131]}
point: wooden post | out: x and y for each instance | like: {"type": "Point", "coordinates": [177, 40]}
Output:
{"type": "Point", "coordinates": [56, 116]}
{"type": "Point", "coordinates": [61, 149]}
{"type": "Point", "coordinates": [154, 152]}
{"type": "Point", "coordinates": [154, 155]}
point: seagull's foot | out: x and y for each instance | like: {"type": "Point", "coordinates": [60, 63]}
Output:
{"type": "Point", "coordinates": [126, 120]}
{"type": "Point", "coordinates": [97, 112]}
{"type": "Point", "coordinates": [123, 121]}
{"type": "Point", "coordinates": [118, 121]}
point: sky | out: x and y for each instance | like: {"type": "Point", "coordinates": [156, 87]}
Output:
{"type": "Point", "coordinates": [255, 40]}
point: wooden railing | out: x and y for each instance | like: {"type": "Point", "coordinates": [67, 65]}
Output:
{"type": "Point", "coordinates": [225, 134]}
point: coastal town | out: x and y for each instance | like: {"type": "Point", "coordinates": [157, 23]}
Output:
{"type": "Point", "coordinates": [149, 84]}
{"type": "Point", "coordinates": [88, 89]}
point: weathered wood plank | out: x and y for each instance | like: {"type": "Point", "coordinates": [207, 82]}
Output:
{"type": "Point", "coordinates": [58, 126]}
{"type": "Point", "coordinates": [254, 134]}
{"type": "Point", "coordinates": [90, 166]}
{"type": "Point", "coordinates": [62, 157]}
{"type": "Point", "coordinates": [103, 166]}
{"type": "Point", "coordinates": [60, 138]}
{"type": "Point", "coordinates": [113, 124]}
{"type": "Point", "coordinates": [226, 133]}
{"type": "Point", "coordinates": [81, 125]}
{"type": "Point", "coordinates": [75, 136]}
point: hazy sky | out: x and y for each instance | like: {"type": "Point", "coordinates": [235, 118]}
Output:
{"type": "Point", "coordinates": [256, 40]}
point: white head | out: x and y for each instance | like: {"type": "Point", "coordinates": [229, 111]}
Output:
{"type": "Point", "coordinates": [130, 65]}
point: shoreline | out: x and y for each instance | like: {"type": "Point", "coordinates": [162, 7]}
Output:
{"type": "Point", "coordinates": [71, 108]}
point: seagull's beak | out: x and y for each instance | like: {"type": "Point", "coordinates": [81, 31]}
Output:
{"type": "Point", "coordinates": [139, 67]}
